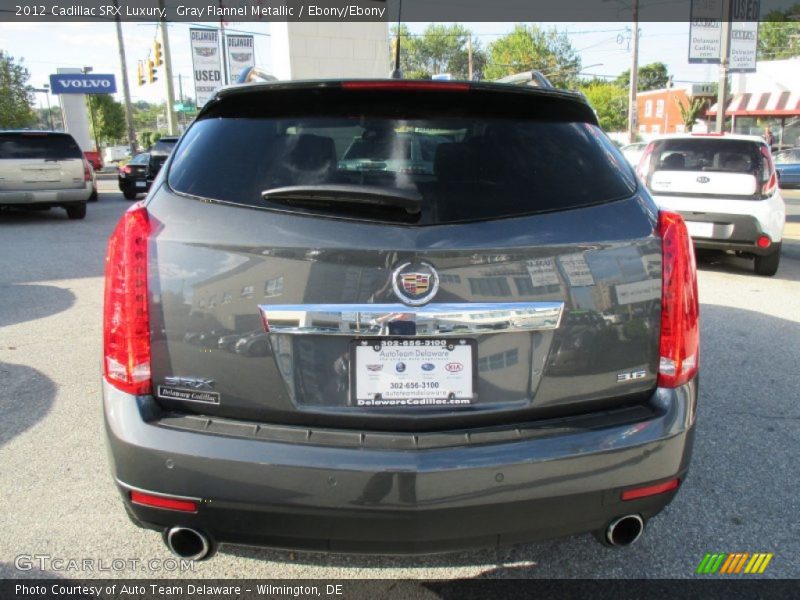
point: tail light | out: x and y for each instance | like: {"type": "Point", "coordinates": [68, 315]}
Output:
{"type": "Point", "coordinates": [126, 319]}
{"type": "Point", "coordinates": [87, 170]}
{"type": "Point", "coordinates": [680, 326]}
{"type": "Point", "coordinates": [126, 169]}
{"type": "Point", "coordinates": [769, 177]}
{"type": "Point", "coordinates": [644, 162]}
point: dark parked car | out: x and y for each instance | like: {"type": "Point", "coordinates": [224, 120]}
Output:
{"type": "Point", "coordinates": [133, 176]}
{"type": "Point", "coordinates": [407, 403]}
{"type": "Point", "coordinates": [787, 164]}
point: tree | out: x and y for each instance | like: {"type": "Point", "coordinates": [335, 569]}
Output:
{"type": "Point", "coordinates": [691, 111]}
{"type": "Point", "coordinates": [528, 48]}
{"type": "Point", "coordinates": [651, 77]}
{"type": "Point", "coordinates": [109, 117]}
{"type": "Point", "coordinates": [779, 35]}
{"type": "Point", "coordinates": [610, 103]}
{"type": "Point", "coordinates": [440, 49]}
{"type": "Point", "coordinates": [16, 96]}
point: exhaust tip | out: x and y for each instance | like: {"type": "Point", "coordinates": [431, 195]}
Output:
{"type": "Point", "coordinates": [188, 543]}
{"type": "Point", "coordinates": [624, 531]}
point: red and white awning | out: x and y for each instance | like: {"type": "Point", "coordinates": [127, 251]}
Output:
{"type": "Point", "coordinates": [766, 104]}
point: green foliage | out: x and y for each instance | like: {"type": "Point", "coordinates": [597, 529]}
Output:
{"type": "Point", "coordinates": [690, 111]}
{"type": "Point", "coordinates": [156, 136]}
{"type": "Point", "coordinates": [16, 96]}
{"type": "Point", "coordinates": [779, 35]}
{"type": "Point", "coordinates": [146, 139]}
{"type": "Point", "coordinates": [610, 102]}
{"type": "Point", "coordinates": [651, 77]}
{"type": "Point", "coordinates": [109, 117]}
{"type": "Point", "coordinates": [528, 48]}
{"type": "Point", "coordinates": [440, 49]}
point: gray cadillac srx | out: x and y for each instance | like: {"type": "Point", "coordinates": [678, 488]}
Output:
{"type": "Point", "coordinates": [392, 316]}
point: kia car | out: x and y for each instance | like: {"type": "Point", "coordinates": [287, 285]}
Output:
{"type": "Point", "coordinates": [43, 170]}
{"type": "Point", "coordinates": [500, 349]}
{"type": "Point", "coordinates": [726, 188]}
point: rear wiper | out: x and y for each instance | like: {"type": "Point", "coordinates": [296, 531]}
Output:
{"type": "Point", "coordinates": [408, 200]}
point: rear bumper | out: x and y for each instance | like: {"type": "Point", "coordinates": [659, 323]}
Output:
{"type": "Point", "coordinates": [343, 499]}
{"type": "Point", "coordinates": [53, 197]}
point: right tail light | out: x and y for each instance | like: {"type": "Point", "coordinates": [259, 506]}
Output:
{"type": "Point", "coordinates": [679, 345]}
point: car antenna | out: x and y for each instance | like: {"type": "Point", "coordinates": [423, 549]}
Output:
{"type": "Point", "coordinates": [396, 72]}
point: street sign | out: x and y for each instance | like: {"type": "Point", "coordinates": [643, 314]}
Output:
{"type": "Point", "coordinates": [82, 83]}
{"type": "Point", "coordinates": [184, 108]}
{"type": "Point", "coordinates": [744, 36]}
{"type": "Point", "coordinates": [705, 31]}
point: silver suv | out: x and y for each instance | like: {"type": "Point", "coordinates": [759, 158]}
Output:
{"type": "Point", "coordinates": [44, 169]}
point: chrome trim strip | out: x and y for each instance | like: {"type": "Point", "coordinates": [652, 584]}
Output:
{"type": "Point", "coordinates": [440, 320]}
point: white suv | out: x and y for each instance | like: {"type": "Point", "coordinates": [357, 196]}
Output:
{"type": "Point", "coordinates": [726, 189]}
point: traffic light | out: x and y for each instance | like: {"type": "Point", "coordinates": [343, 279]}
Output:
{"type": "Point", "coordinates": [140, 74]}
{"type": "Point", "coordinates": [157, 52]}
{"type": "Point", "coordinates": [151, 71]}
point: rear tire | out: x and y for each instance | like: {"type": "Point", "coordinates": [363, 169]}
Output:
{"type": "Point", "coordinates": [767, 265]}
{"type": "Point", "coordinates": [129, 194]}
{"type": "Point", "coordinates": [76, 211]}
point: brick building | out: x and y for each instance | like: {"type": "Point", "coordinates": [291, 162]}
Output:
{"type": "Point", "coordinates": [658, 110]}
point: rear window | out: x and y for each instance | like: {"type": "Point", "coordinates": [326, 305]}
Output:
{"type": "Point", "coordinates": [38, 145]}
{"type": "Point", "coordinates": [466, 167]}
{"type": "Point", "coordinates": [164, 146]}
{"type": "Point", "coordinates": [707, 154]}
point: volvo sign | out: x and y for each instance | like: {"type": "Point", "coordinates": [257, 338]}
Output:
{"type": "Point", "coordinates": [82, 83]}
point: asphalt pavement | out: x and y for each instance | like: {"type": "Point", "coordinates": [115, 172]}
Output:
{"type": "Point", "coordinates": [57, 497]}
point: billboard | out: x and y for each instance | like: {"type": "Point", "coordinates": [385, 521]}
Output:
{"type": "Point", "coordinates": [241, 54]}
{"type": "Point", "coordinates": [705, 31]}
{"type": "Point", "coordinates": [82, 83]}
{"type": "Point", "coordinates": [206, 63]}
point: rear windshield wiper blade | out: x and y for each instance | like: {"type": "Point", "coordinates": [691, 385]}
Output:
{"type": "Point", "coordinates": [408, 200]}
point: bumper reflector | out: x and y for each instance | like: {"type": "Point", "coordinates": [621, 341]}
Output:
{"type": "Point", "coordinates": [763, 242]}
{"type": "Point", "coordinates": [163, 502]}
{"type": "Point", "coordinates": [651, 490]}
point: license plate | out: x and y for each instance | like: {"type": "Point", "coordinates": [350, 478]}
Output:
{"type": "Point", "coordinates": [413, 372]}
{"type": "Point", "coordinates": [141, 184]}
{"type": "Point", "coordinates": [697, 229]}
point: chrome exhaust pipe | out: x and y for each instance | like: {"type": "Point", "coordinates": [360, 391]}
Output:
{"type": "Point", "coordinates": [624, 531]}
{"type": "Point", "coordinates": [187, 543]}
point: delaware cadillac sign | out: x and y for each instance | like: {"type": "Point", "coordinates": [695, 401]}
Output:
{"type": "Point", "coordinates": [80, 83]}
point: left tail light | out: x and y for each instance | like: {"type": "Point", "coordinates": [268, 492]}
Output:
{"type": "Point", "coordinates": [126, 318]}
{"type": "Point", "coordinates": [679, 344]}
{"type": "Point", "coordinates": [643, 168]}
{"type": "Point", "coordinates": [87, 170]}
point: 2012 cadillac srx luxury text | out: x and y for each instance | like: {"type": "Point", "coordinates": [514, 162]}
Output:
{"type": "Point", "coordinates": [391, 316]}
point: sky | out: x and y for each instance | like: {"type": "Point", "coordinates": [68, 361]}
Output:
{"type": "Point", "coordinates": [603, 47]}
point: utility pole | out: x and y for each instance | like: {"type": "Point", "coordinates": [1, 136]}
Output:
{"type": "Point", "coordinates": [172, 123]}
{"type": "Point", "coordinates": [634, 81]}
{"type": "Point", "coordinates": [224, 47]}
{"type": "Point", "coordinates": [469, 57]}
{"type": "Point", "coordinates": [126, 91]}
{"type": "Point", "coordinates": [724, 62]}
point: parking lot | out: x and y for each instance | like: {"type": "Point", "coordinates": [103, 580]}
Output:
{"type": "Point", "coordinates": [58, 497]}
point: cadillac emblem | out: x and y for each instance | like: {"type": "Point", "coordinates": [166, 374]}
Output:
{"type": "Point", "coordinates": [415, 283]}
